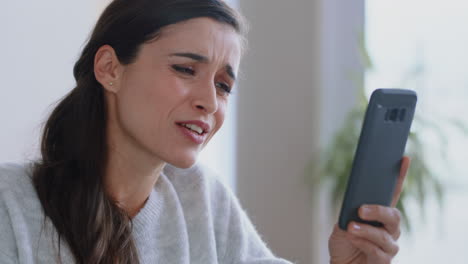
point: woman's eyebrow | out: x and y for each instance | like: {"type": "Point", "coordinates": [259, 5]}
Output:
{"type": "Point", "coordinates": [230, 72]}
{"type": "Point", "coordinates": [193, 56]}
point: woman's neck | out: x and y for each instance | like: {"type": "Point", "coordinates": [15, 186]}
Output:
{"type": "Point", "coordinates": [130, 177]}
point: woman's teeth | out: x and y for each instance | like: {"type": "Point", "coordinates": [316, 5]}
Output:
{"type": "Point", "coordinates": [193, 127]}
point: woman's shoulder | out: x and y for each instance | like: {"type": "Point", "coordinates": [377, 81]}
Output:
{"type": "Point", "coordinates": [16, 187]}
{"type": "Point", "coordinates": [16, 177]}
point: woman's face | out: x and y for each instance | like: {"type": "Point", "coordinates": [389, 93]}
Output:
{"type": "Point", "coordinates": [172, 99]}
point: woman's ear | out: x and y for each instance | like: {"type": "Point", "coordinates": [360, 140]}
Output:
{"type": "Point", "coordinates": [107, 68]}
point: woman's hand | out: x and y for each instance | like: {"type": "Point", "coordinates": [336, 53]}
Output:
{"type": "Point", "coordinates": [366, 244]}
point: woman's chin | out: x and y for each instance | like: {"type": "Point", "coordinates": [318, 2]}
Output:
{"type": "Point", "coordinates": [183, 165]}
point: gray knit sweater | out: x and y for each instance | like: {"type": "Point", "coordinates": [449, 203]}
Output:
{"type": "Point", "coordinates": [189, 217]}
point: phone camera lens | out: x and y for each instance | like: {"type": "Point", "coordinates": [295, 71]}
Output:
{"type": "Point", "coordinates": [402, 114]}
{"type": "Point", "coordinates": [393, 114]}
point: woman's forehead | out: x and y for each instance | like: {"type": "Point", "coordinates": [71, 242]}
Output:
{"type": "Point", "coordinates": [204, 36]}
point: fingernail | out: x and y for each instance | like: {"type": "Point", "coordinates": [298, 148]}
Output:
{"type": "Point", "coordinates": [365, 211]}
{"type": "Point", "coordinates": [356, 227]}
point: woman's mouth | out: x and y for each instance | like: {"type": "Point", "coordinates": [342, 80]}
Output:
{"type": "Point", "coordinates": [193, 132]}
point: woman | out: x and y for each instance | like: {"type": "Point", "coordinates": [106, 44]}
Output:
{"type": "Point", "coordinates": [153, 83]}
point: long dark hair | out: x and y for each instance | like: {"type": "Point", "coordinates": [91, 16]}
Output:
{"type": "Point", "coordinates": [69, 176]}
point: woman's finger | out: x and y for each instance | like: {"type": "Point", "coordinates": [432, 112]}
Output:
{"type": "Point", "coordinates": [378, 237]}
{"type": "Point", "coordinates": [390, 217]}
{"type": "Point", "coordinates": [405, 163]}
{"type": "Point", "coordinates": [374, 254]}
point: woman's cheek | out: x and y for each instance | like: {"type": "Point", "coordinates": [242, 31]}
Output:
{"type": "Point", "coordinates": [220, 115]}
{"type": "Point", "coordinates": [222, 106]}
{"type": "Point", "coordinates": [175, 86]}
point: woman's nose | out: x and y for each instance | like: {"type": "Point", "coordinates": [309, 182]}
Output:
{"type": "Point", "coordinates": [205, 98]}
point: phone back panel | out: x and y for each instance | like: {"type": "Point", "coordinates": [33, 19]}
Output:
{"type": "Point", "coordinates": [381, 145]}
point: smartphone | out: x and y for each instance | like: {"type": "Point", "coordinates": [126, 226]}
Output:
{"type": "Point", "coordinates": [378, 156]}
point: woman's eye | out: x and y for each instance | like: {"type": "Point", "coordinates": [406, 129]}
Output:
{"type": "Point", "coordinates": [226, 88]}
{"type": "Point", "coordinates": [184, 70]}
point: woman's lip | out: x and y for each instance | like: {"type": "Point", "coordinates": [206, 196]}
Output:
{"type": "Point", "coordinates": [192, 135]}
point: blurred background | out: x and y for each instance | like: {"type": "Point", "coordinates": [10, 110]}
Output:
{"type": "Point", "coordinates": [307, 65]}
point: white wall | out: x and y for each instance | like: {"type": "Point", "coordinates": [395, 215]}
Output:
{"type": "Point", "coordinates": [40, 41]}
